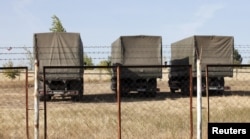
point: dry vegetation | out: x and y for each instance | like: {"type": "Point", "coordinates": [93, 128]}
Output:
{"type": "Point", "coordinates": [165, 116]}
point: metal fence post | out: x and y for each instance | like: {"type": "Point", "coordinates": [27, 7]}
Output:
{"type": "Point", "coordinates": [199, 100]}
{"type": "Point", "coordinates": [207, 93]}
{"type": "Point", "coordinates": [118, 100]}
{"type": "Point", "coordinates": [27, 102]}
{"type": "Point", "coordinates": [36, 103]}
{"type": "Point", "coordinates": [45, 103]}
{"type": "Point", "coordinates": [191, 100]}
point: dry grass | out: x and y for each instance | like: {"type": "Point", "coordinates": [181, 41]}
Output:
{"type": "Point", "coordinates": [68, 120]}
{"type": "Point", "coordinates": [95, 117]}
{"type": "Point", "coordinates": [166, 116]}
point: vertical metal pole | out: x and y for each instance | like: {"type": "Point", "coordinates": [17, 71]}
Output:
{"type": "Point", "coordinates": [27, 103]}
{"type": "Point", "coordinates": [207, 93]}
{"type": "Point", "coordinates": [191, 100]}
{"type": "Point", "coordinates": [45, 103]}
{"type": "Point", "coordinates": [118, 101]}
{"type": "Point", "coordinates": [199, 101]}
{"type": "Point", "coordinates": [36, 103]}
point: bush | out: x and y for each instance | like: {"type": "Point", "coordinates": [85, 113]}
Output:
{"type": "Point", "coordinates": [10, 73]}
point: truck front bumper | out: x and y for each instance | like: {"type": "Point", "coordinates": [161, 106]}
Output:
{"type": "Point", "coordinates": [61, 92]}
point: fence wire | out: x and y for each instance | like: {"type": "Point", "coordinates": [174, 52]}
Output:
{"type": "Point", "coordinates": [13, 103]}
{"type": "Point", "coordinates": [22, 55]}
{"type": "Point", "coordinates": [231, 105]}
{"type": "Point", "coordinates": [96, 115]}
{"type": "Point", "coordinates": [165, 114]}
{"type": "Point", "coordinates": [142, 115]}
{"type": "Point", "coordinates": [150, 110]}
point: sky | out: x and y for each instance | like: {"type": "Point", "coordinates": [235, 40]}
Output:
{"type": "Point", "coordinates": [100, 22]}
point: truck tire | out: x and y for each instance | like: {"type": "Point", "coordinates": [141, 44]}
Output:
{"type": "Point", "coordinates": [80, 95]}
{"type": "Point", "coordinates": [75, 98]}
{"type": "Point", "coordinates": [43, 98]}
{"type": "Point", "coordinates": [185, 91]}
{"type": "Point", "coordinates": [125, 87]}
{"type": "Point", "coordinates": [125, 91]}
{"type": "Point", "coordinates": [172, 90]}
{"type": "Point", "coordinates": [152, 86]}
{"type": "Point", "coordinates": [151, 94]}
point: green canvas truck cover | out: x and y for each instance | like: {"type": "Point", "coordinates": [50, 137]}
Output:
{"type": "Point", "coordinates": [210, 50]}
{"type": "Point", "coordinates": [59, 49]}
{"type": "Point", "coordinates": [139, 50]}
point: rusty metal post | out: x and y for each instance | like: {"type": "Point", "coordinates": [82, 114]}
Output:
{"type": "Point", "coordinates": [191, 100]}
{"type": "Point", "coordinates": [36, 103]}
{"type": "Point", "coordinates": [27, 102]}
{"type": "Point", "coordinates": [118, 95]}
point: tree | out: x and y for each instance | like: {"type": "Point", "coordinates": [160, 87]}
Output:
{"type": "Point", "coordinates": [237, 59]}
{"type": "Point", "coordinates": [30, 57]}
{"type": "Point", "coordinates": [57, 25]}
{"type": "Point", "coordinates": [87, 60]}
{"type": "Point", "coordinates": [105, 63]}
{"type": "Point", "coordinates": [11, 73]}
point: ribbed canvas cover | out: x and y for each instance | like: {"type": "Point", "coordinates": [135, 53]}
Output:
{"type": "Point", "coordinates": [59, 49]}
{"type": "Point", "coordinates": [210, 50]}
{"type": "Point", "coordinates": [138, 50]}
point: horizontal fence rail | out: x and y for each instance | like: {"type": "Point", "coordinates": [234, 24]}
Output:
{"type": "Point", "coordinates": [108, 111]}
{"type": "Point", "coordinates": [117, 103]}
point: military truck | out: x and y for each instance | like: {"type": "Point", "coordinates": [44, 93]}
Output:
{"type": "Point", "coordinates": [135, 51]}
{"type": "Point", "coordinates": [59, 49]}
{"type": "Point", "coordinates": [210, 50]}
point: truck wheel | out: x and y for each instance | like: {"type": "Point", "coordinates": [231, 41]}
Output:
{"type": "Point", "coordinates": [79, 96]}
{"type": "Point", "coordinates": [125, 91]}
{"type": "Point", "coordinates": [172, 90]}
{"type": "Point", "coordinates": [75, 98]}
{"type": "Point", "coordinates": [125, 88]}
{"type": "Point", "coordinates": [185, 91]}
{"type": "Point", "coordinates": [221, 92]}
{"type": "Point", "coordinates": [217, 92]}
{"type": "Point", "coordinates": [147, 94]}
{"type": "Point", "coordinates": [152, 94]}
{"type": "Point", "coordinates": [124, 94]}
{"type": "Point", "coordinates": [43, 98]}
